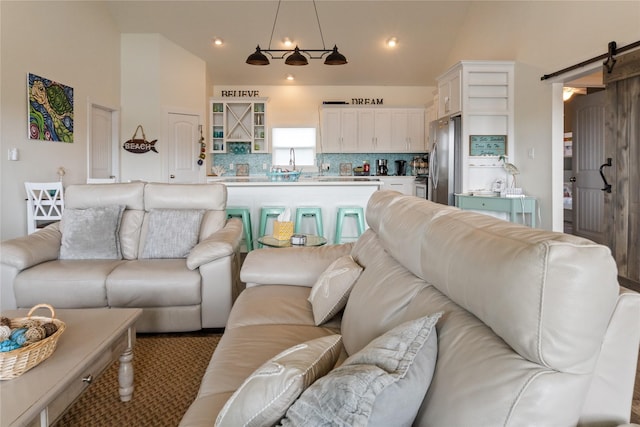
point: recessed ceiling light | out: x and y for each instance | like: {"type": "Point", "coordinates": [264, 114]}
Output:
{"type": "Point", "coordinates": [218, 41]}
{"type": "Point", "coordinates": [287, 42]}
{"type": "Point", "coordinates": [290, 77]}
{"type": "Point", "coordinates": [392, 42]}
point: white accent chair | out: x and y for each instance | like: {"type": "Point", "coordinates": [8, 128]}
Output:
{"type": "Point", "coordinates": [45, 202]}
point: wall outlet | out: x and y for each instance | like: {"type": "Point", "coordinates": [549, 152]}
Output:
{"type": "Point", "coordinates": [326, 166]}
{"type": "Point", "coordinates": [264, 166]}
{"type": "Point", "coordinates": [531, 153]}
{"type": "Point", "coordinates": [230, 166]}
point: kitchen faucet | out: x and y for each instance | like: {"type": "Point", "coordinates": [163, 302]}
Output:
{"type": "Point", "coordinates": [292, 158]}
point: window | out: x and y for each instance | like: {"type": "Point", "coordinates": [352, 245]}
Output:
{"type": "Point", "coordinates": [303, 143]}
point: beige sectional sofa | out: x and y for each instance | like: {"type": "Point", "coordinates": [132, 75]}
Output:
{"type": "Point", "coordinates": [168, 249]}
{"type": "Point", "coordinates": [534, 327]}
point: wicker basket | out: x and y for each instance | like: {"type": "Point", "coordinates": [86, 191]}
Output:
{"type": "Point", "coordinates": [16, 362]}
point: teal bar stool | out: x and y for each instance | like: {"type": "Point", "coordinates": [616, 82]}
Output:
{"type": "Point", "coordinates": [349, 211]}
{"type": "Point", "coordinates": [245, 214]}
{"type": "Point", "coordinates": [267, 212]}
{"type": "Point", "coordinates": [309, 211]}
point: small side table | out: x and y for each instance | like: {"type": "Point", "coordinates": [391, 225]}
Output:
{"type": "Point", "coordinates": [312, 240]}
{"type": "Point", "coordinates": [511, 205]}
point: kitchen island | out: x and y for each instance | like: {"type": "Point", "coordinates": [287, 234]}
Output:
{"type": "Point", "coordinates": [327, 192]}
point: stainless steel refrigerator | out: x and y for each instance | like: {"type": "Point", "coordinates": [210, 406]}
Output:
{"type": "Point", "coordinates": [445, 160]}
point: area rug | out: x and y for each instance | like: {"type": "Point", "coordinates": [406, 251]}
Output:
{"type": "Point", "coordinates": [168, 369]}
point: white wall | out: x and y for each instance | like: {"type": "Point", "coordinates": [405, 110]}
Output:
{"type": "Point", "coordinates": [43, 38]}
{"type": "Point", "coordinates": [292, 105]}
{"type": "Point", "coordinates": [83, 48]}
{"type": "Point", "coordinates": [543, 37]}
{"type": "Point", "coordinates": [157, 77]}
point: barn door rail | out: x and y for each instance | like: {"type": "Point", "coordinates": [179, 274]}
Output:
{"type": "Point", "coordinates": [612, 51]}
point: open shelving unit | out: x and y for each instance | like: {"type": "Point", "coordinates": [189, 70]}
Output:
{"type": "Point", "coordinates": [483, 93]}
{"type": "Point", "coordinates": [239, 122]}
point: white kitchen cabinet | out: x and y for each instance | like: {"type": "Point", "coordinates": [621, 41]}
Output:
{"type": "Point", "coordinates": [347, 129]}
{"type": "Point", "coordinates": [374, 130]}
{"type": "Point", "coordinates": [403, 184]}
{"type": "Point", "coordinates": [408, 130]}
{"type": "Point", "coordinates": [450, 92]}
{"type": "Point", "coordinates": [339, 130]}
{"type": "Point", "coordinates": [239, 122]}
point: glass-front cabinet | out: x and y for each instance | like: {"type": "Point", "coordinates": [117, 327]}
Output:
{"type": "Point", "coordinates": [239, 125]}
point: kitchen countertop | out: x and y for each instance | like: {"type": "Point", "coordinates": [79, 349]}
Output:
{"type": "Point", "coordinates": [259, 180]}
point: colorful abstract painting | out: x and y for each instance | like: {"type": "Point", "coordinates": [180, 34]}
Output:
{"type": "Point", "coordinates": [50, 110]}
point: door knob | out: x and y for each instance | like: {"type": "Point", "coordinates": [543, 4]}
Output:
{"type": "Point", "coordinates": [172, 176]}
{"type": "Point", "coordinates": [572, 179]}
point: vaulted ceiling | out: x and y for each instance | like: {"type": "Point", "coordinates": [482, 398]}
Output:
{"type": "Point", "coordinates": [425, 30]}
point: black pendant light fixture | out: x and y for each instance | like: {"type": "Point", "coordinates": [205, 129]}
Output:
{"type": "Point", "coordinates": [295, 56]}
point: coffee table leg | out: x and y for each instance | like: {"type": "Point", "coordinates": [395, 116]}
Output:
{"type": "Point", "coordinates": [125, 373]}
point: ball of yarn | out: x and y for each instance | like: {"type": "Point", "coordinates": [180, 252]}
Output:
{"type": "Point", "coordinates": [35, 334]}
{"type": "Point", "coordinates": [8, 345]}
{"type": "Point", "coordinates": [5, 332]}
{"type": "Point", "coordinates": [5, 321]}
{"type": "Point", "coordinates": [18, 337]}
{"type": "Point", "coordinates": [31, 323]}
{"type": "Point", "coordinates": [50, 328]}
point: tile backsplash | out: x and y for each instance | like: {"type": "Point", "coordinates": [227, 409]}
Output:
{"type": "Point", "coordinates": [257, 161]}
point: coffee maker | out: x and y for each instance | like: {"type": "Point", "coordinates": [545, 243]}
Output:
{"type": "Point", "coordinates": [401, 167]}
{"type": "Point", "coordinates": [381, 167]}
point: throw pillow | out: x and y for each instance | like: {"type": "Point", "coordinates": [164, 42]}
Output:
{"type": "Point", "coordinates": [383, 384]}
{"type": "Point", "coordinates": [172, 233]}
{"type": "Point", "coordinates": [266, 395]}
{"type": "Point", "coordinates": [91, 233]}
{"type": "Point", "coordinates": [331, 291]}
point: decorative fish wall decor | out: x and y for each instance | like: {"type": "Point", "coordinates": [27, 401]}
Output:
{"type": "Point", "coordinates": [139, 146]}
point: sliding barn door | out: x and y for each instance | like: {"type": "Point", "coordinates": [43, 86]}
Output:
{"type": "Point", "coordinates": [622, 144]}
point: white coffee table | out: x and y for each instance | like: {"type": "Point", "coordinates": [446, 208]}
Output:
{"type": "Point", "coordinates": [93, 339]}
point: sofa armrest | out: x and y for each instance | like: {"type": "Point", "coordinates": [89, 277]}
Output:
{"type": "Point", "coordinates": [222, 243]}
{"type": "Point", "coordinates": [290, 266]}
{"type": "Point", "coordinates": [24, 252]}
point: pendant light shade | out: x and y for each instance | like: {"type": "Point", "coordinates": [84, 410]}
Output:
{"type": "Point", "coordinates": [296, 58]}
{"type": "Point", "coordinates": [335, 57]}
{"type": "Point", "coordinates": [258, 58]}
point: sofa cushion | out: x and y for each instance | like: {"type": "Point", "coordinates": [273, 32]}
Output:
{"type": "Point", "coordinates": [65, 283]}
{"type": "Point", "coordinates": [172, 233]}
{"type": "Point", "coordinates": [330, 292]}
{"type": "Point", "coordinates": [272, 305]}
{"type": "Point", "coordinates": [210, 197]}
{"type": "Point", "coordinates": [385, 288]}
{"type": "Point", "coordinates": [381, 385]}
{"type": "Point", "coordinates": [266, 395]}
{"type": "Point", "coordinates": [130, 228]}
{"type": "Point", "coordinates": [82, 196]}
{"type": "Point", "coordinates": [153, 283]}
{"type": "Point", "coordinates": [91, 233]}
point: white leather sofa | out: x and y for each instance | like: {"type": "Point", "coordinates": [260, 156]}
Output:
{"type": "Point", "coordinates": [535, 331]}
{"type": "Point", "coordinates": [184, 292]}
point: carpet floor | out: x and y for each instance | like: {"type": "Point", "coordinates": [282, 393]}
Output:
{"type": "Point", "coordinates": [168, 369]}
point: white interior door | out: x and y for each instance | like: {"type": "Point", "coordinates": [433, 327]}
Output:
{"type": "Point", "coordinates": [184, 148]}
{"type": "Point", "coordinates": [588, 155]}
{"type": "Point", "coordinates": [102, 149]}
